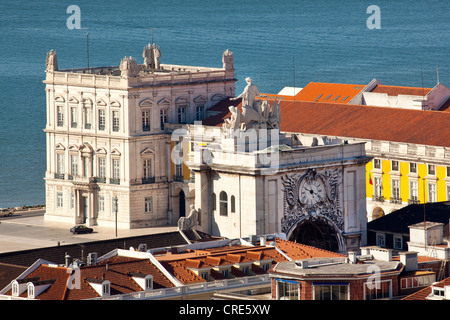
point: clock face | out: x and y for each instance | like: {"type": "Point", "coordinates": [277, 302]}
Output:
{"type": "Point", "coordinates": [312, 192]}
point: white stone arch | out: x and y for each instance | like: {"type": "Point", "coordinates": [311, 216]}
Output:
{"type": "Point", "coordinates": [377, 212]}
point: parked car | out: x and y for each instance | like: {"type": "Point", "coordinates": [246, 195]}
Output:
{"type": "Point", "coordinates": [81, 229]}
{"type": "Point", "coordinates": [6, 212]}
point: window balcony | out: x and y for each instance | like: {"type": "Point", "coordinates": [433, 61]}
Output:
{"type": "Point", "coordinates": [59, 176]}
{"type": "Point", "coordinates": [396, 200]}
{"type": "Point", "coordinates": [148, 180]}
{"type": "Point", "coordinates": [377, 198]}
{"type": "Point", "coordinates": [114, 181]}
{"type": "Point", "coordinates": [145, 127]}
{"type": "Point", "coordinates": [178, 178]}
{"type": "Point", "coordinates": [413, 201]}
{"type": "Point", "coordinates": [100, 179]}
{"type": "Point", "coordinates": [87, 126]}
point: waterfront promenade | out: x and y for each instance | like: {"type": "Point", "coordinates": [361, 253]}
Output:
{"type": "Point", "coordinates": [28, 230]}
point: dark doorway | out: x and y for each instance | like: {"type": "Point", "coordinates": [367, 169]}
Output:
{"type": "Point", "coordinates": [182, 199]}
{"type": "Point", "coordinates": [316, 234]}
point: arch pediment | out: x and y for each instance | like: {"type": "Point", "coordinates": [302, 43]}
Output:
{"type": "Point", "coordinates": [146, 103]}
{"type": "Point", "coordinates": [87, 101]}
{"type": "Point", "coordinates": [72, 99]}
{"type": "Point", "coordinates": [147, 152]}
{"type": "Point", "coordinates": [100, 151]}
{"type": "Point", "coordinates": [200, 100]}
{"type": "Point", "coordinates": [101, 102]}
{"type": "Point", "coordinates": [115, 103]}
{"type": "Point", "coordinates": [115, 152]}
{"type": "Point", "coordinates": [164, 102]}
{"type": "Point", "coordinates": [218, 97]}
{"type": "Point", "coordinates": [60, 146]}
{"type": "Point", "coordinates": [59, 99]}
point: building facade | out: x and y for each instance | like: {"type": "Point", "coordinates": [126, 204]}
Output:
{"type": "Point", "coordinates": [108, 137]}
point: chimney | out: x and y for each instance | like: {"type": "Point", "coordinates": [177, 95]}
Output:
{"type": "Point", "coordinates": [68, 260]}
{"type": "Point", "coordinates": [262, 240]}
{"type": "Point", "coordinates": [409, 260]}
{"type": "Point", "coordinates": [352, 257]}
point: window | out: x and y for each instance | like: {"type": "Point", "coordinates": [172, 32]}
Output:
{"type": "Point", "coordinates": [85, 166]}
{"type": "Point", "coordinates": [72, 200]}
{"type": "Point", "coordinates": [448, 192]}
{"type": "Point", "coordinates": [101, 167]}
{"type": "Point", "coordinates": [377, 187]}
{"type": "Point", "coordinates": [398, 242]}
{"type": "Point", "coordinates": [395, 189]}
{"type": "Point", "coordinates": [327, 97]}
{"type": "Point", "coordinates": [101, 203]}
{"type": "Point", "coordinates": [447, 171]}
{"type": "Point", "coordinates": [148, 205]}
{"type": "Point", "coordinates": [116, 169]}
{"type": "Point", "coordinates": [147, 168]}
{"type": "Point", "coordinates": [163, 118]}
{"type": "Point", "coordinates": [288, 290]}
{"type": "Point", "coordinates": [105, 288]}
{"type": "Point", "coordinates": [148, 282]}
{"type": "Point", "coordinates": [60, 116]}
{"type": "Point", "coordinates": [394, 165]}
{"type": "Point", "coordinates": [199, 113]}
{"type": "Point", "coordinates": [337, 97]}
{"type": "Point", "coordinates": [73, 117]}
{"type": "Point", "coordinates": [60, 163]}
{"type": "Point", "coordinates": [431, 169]}
{"type": "Point", "coordinates": [15, 289]}
{"type": "Point", "coordinates": [223, 203]}
{"type": "Point", "coordinates": [101, 119]}
{"type": "Point", "coordinates": [381, 240]}
{"type": "Point", "coordinates": [87, 118]}
{"type": "Point", "coordinates": [331, 292]}
{"type": "Point", "coordinates": [232, 204]}
{"type": "Point", "coordinates": [413, 167]}
{"type": "Point", "coordinates": [378, 290]}
{"type": "Point", "coordinates": [432, 192]}
{"type": "Point", "coordinates": [376, 163]}
{"type": "Point", "coordinates": [344, 98]}
{"type": "Point", "coordinates": [74, 165]}
{"type": "Point", "coordinates": [115, 121]}
{"type": "Point", "coordinates": [318, 97]}
{"type": "Point", "coordinates": [59, 200]}
{"type": "Point", "coordinates": [413, 190]}
{"type": "Point", "coordinates": [181, 114]}
{"type": "Point", "coordinates": [146, 120]}
{"type": "Point", "coordinates": [30, 290]}
{"type": "Point", "coordinates": [418, 281]}
{"type": "Point", "coordinates": [178, 172]}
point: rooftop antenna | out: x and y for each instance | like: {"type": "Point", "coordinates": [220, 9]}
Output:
{"type": "Point", "coordinates": [293, 67]}
{"type": "Point", "coordinates": [87, 50]}
{"type": "Point", "coordinates": [437, 74]}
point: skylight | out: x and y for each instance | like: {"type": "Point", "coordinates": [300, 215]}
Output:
{"type": "Point", "coordinates": [344, 98]}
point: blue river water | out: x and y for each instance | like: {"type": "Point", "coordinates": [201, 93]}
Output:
{"type": "Point", "coordinates": [277, 43]}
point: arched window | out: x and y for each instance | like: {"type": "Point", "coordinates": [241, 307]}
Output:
{"type": "Point", "coordinates": [223, 202]}
{"type": "Point", "coordinates": [233, 204]}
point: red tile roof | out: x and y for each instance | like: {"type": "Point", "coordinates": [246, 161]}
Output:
{"type": "Point", "coordinates": [423, 294]}
{"type": "Point", "coordinates": [426, 127]}
{"type": "Point", "coordinates": [398, 90]}
{"type": "Point", "coordinates": [329, 92]}
{"type": "Point", "coordinates": [365, 122]}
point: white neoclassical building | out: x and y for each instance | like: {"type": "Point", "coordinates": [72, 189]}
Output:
{"type": "Point", "coordinates": [109, 143]}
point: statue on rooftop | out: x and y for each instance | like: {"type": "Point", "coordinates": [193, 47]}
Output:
{"type": "Point", "coordinates": [256, 113]}
{"type": "Point", "coordinates": [228, 60]}
{"type": "Point", "coordinates": [129, 67]}
{"type": "Point", "coordinates": [151, 56]}
{"type": "Point", "coordinates": [51, 62]}
{"type": "Point", "coordinates": [187, 223]}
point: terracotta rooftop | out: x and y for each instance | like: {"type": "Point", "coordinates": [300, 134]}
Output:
{"type": "Point", "coordinates": [426, 127]}
{"type": "Point", "coordinates": [398, 90]}
{"type": "Point", "coordinates": [366, 122]}
{"type": "Point", "coordinates": [423, 294]}
{"type": "Point", "coordinates": [329, 92]}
